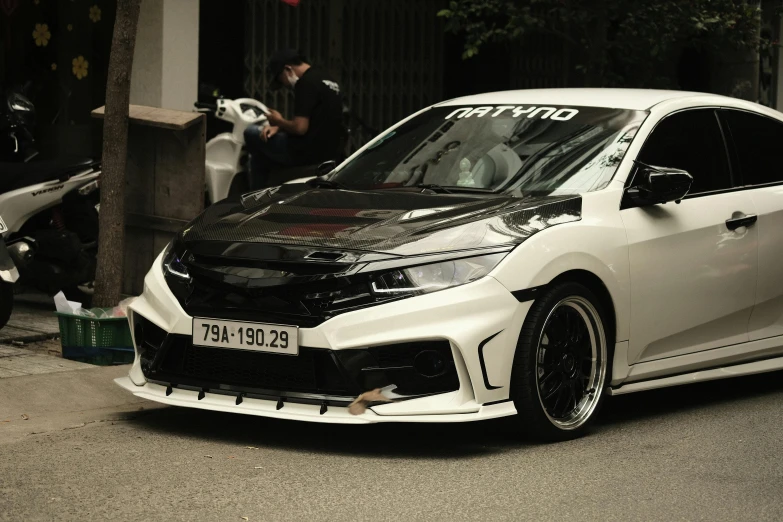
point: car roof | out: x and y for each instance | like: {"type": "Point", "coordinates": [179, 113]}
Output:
{"type": "Point", "coordinates": [635, 99]}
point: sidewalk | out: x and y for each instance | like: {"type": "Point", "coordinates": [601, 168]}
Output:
{"type": "Point", "coordinates": [64, 400]}
{"type": "Point", "coordinates": [29, 344]}
{"type": "Point", "coordinates": [33, 319]}
{"type": "Point", "coordinates": [16, 362]}
{"type": "Point", "coordinates": [40, 391]}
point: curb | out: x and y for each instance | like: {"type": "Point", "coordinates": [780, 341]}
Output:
{"type": "Point", "coordinates": [32, 338]}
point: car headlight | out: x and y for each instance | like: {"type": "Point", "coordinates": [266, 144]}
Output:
{"type": "Point", "coordinates": [423, 279]}
{"type": "Point", "coordinates": [172, 262]}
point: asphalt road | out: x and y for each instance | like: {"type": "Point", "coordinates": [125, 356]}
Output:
{"type": "Point", "coordinates": [711, 451]}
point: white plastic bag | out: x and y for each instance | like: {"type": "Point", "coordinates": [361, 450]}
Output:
{"type": "Point", "coordinates": [84, 312]}
{"type": "Point", "coordinates": [122, 308]}
{"type": "Point", "coordinates": [64, 306]}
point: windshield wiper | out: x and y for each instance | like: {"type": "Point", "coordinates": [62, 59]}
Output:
{"type": "Point", "coordinates": [325, 183]}
{"type": "Point", "coordinates": [434, 188]}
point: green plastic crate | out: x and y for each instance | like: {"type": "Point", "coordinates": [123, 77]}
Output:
{"type": "Point", "coordinates": [103, 342]}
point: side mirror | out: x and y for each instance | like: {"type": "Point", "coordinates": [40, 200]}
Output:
{"type": "Point", "coordinates": [655, 185]}
{"type": "Point", "coordinates": [326, 167]}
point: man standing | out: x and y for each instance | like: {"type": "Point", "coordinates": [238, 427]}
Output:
{"type": "Point", "coordinates": [313, 136]}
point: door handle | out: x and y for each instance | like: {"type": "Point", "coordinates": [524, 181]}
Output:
{"type": "Point", "coordinates": [744, 221]}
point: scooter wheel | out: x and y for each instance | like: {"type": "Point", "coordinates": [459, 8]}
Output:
{"type": "Point", "coordinates": [6, 302]}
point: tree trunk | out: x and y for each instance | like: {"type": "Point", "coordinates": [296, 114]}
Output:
{"type": "Point", "coordinates": [111, 237]}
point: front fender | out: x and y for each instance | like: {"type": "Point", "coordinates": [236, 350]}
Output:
{"type": "Point", "coordinates": [8, 271]}
{"type": "Point", "coordinates": [597, 244]}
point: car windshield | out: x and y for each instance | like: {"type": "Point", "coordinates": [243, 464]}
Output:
{"type": "Point", "coordinates": [515, 150]}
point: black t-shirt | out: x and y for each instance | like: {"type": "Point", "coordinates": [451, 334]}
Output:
{"type": "Point", "coordinates": [318, 97]}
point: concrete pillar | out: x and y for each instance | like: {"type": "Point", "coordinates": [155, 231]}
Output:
{"type": "Point", "coordinates": [165, 62]}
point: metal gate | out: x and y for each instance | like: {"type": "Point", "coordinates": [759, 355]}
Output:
{"type": "Point", "coordinates": [387, 55]}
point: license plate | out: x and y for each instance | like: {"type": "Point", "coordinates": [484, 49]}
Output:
{"type": "Point", "coordinates": [3, 226]}
{"type": "Point", "coordinates": [240, 335]}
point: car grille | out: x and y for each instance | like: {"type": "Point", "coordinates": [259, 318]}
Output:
{"type": "Point", "coordinates": [313, 370]}
{"type": "Point", "coordinates": [248, 368]}
{"type": "Point", "coordinates": [305, 299]}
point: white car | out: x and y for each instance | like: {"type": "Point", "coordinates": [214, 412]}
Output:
{"type": "Point", "coordinates": [517, 253]}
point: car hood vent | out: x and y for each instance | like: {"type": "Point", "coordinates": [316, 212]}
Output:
{"type": "Point", "coordinates": [325, 256]}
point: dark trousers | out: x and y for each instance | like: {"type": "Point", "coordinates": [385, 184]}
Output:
{"type": "Point", "coordinates": [265, 156]}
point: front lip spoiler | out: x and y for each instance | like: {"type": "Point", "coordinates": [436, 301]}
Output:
{"type": "Point", "coordinates": [240, 393]}
{"type": "Point", "coordinates": [266, 395]}
{"type": "Point", "coordinates": [468, 412]}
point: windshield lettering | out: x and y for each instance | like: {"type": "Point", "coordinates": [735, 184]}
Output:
{"type": "Point", "coordinates": [501, 109]}
{"type": "Point", "coordinates": [518, 111]}
{"type": "Point", "coordinates": [565, 114]}
{"type": "Point", "coordinates": [480, 111]}
{"type": "Point", "coordinates": [459, 113]}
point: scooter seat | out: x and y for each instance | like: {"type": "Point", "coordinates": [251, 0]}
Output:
{"type": "Point", "coordinates": [15, 175]}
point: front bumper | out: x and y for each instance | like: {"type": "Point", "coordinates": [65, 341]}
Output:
{"type": "Point", "coordinates": [480, 321]}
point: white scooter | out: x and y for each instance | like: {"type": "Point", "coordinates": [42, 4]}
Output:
{"type": "Point", "coordinates": [225, 153]}
{"type": "Point", "coordinates": [8, 276]}
{"type": "Point", "coordinates": [21, 201]}
{"type": "Point", "coordinates": [52, 226]}
{"type": "Point", "coordinates": [49, 208]}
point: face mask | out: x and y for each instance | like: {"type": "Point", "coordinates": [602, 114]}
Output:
{"type": "Point", "coordinates": [292, 79]}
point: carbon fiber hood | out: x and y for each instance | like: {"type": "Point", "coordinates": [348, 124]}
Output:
{"type": "Point", "coordinates": [390, 222]}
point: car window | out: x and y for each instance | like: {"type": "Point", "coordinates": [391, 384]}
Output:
{"type": "Point", "coordinates": [691, 141]}
{"type": "Point", "coordinates": [511, 149]}
{"type": "Point", "coordinates": [759, 143]}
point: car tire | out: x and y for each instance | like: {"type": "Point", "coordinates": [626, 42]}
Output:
{"type": "Point", "coordinates": [6, 302]}
{"type": "Point", "coordinates": [563, 354]}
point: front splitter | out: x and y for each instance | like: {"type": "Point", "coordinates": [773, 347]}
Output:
{"type": "Point", "coordinates": [417, 411]}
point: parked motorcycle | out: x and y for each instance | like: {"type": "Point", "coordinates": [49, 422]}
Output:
{"type": "Point", "coordinates": [226, 157]}
{"type": "Point", "coordinates": [8, 276]}
{"type": "Point", "coordinates": [50, 207]}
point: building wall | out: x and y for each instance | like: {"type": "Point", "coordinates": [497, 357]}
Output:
{"type": "Point", "coordinates": [387, 55]}
{"type": "Point", "coordinates": [44, 69]}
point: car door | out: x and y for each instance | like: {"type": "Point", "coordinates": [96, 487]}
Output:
{"type": "Point", "coordinates": [758, 142]}
{"type": "Point", "coordinates": [693, 270]}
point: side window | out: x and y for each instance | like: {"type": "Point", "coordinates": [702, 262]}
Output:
{"type": "Point", "coordinates": [692, 141]}
{"type": "Point", "coordinates": [759, 143]}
